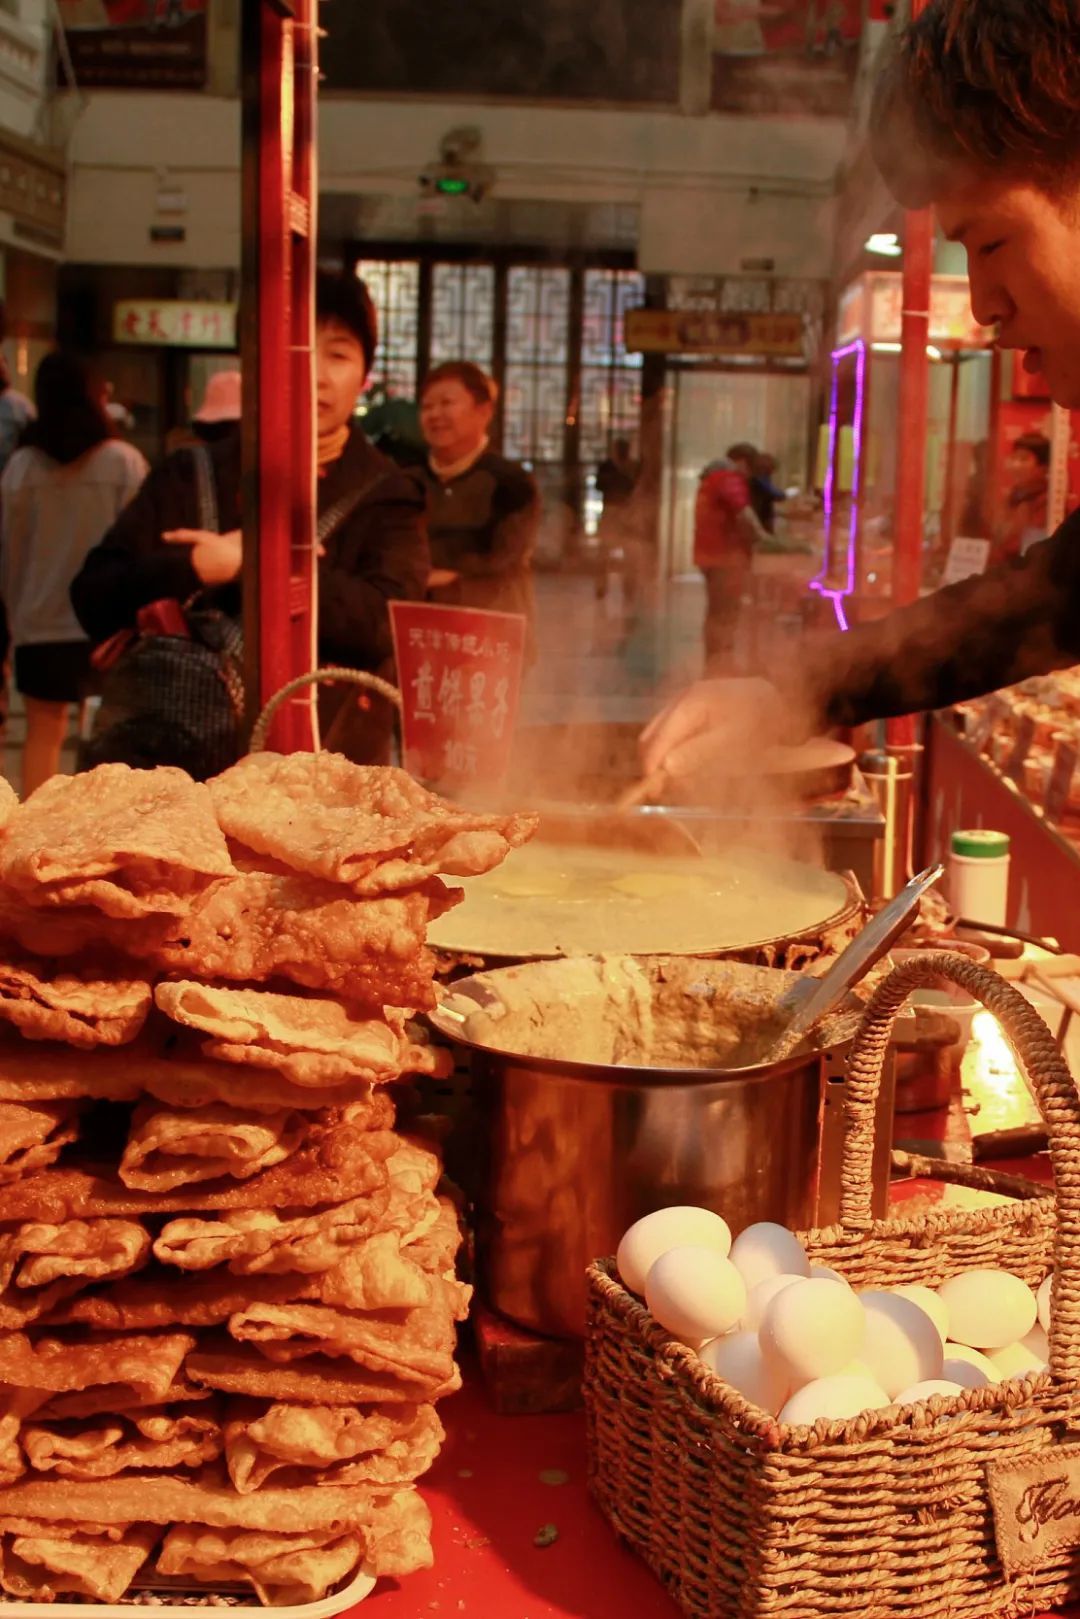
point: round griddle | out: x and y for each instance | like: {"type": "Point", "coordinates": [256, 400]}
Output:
{"type": "Point", "coordinates": [559, 899]}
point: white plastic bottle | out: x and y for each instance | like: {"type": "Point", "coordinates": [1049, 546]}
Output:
{"type": "Point", "coordinates": [979, 876]}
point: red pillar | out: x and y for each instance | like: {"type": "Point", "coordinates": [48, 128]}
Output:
{"type": "Point", "coordinates": [277, 339]}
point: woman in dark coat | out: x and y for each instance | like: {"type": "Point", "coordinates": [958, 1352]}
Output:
{"type": "Point", "coordinates": [483, 511]}
{"type": "Point", "coordinates": [375, 554]}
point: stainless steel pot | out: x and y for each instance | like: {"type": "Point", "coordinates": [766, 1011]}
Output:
{"type": "Point", "coordinates": [578, 1150]}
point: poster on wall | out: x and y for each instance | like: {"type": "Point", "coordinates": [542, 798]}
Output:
{"type": "Point", "coordinates": [134, 44]}
{"type": "Point", "coordinates": [792, 56]}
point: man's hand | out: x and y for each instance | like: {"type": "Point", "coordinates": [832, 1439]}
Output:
{"type": "Point", "coordinates": [438, 577]}
{"type": "Point", "coordinates": [699, 730]}
{"type": "Point", "coordinates": [215, 557]}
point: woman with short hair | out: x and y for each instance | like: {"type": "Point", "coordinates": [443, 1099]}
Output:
{"type": "Point", "coordinates": [483, 511]}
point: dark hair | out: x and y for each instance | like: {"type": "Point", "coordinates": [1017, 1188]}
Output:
{"type": "Point", "coordinates": [1036, 444]}
{"type": "Point", "coordinates": [71, 414]}
{"type": "Point", "coordinates": [989, 85]}
{"type": "Point", "coordinates": [472, 378]}
{"type": "Point", "coordinates": [344, 298]}
{"type": "Point", "coordinates": [742, 452]}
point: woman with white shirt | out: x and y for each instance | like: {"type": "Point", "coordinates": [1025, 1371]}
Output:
{"type": "Point", "coordinates": [60, 492]}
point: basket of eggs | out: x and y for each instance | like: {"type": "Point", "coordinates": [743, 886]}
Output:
{"type": "Point", "coordinates": [871, 1419]}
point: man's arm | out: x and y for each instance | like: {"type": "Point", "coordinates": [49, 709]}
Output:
{"type": "Point", "coordinates": [132, 565]}
{"type": "Point", "coordinates": [1022, 619]}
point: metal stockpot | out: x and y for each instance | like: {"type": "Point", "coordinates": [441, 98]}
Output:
{"type": "Point", "coordinates": [578, 1150]}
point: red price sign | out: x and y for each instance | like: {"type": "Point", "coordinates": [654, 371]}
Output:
{"type": "Point", "coordinates": [459, 671]}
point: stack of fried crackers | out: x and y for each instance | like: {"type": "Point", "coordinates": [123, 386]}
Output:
{"type": "Point", "coordinates": [227, 1290]}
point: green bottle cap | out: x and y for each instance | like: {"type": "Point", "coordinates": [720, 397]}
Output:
{"type": "Point", "coordinates": [981, 844]}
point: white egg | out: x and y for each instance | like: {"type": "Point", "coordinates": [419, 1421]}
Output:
{"type": "Point", "coordinates": [926, 1391]}
{"type": "Point", "coordinates": [969, 1367]}
{"type": "Point", "coordinates": [929, 1301]}
{"type": "Point", "coordinates": [901, 1346]}
{"type": "Point", "coordinates": [988, 1309]}
{"type": "Point", "coordinates": [812, 1329]}
{"type": "Point", "coordinates": [834, 1398]}
{"type": "Point", "coordinates": [825, 1273]}
{"type": "Point", "coordinates": [695, 1293]}
{"type": "Point", "coordinates": [1038, 1342]}
{"type": "Point", "coordinates": [759, 1298]}
{"type": "Point", "coordinates": [1017, 1360]}
{"type": "Point", "coordinates": [765, 1250]}
{"type": "Point", "coordinates": [652, 1235]}
{"type": "Point", "coordinates": [739, 1361]}
{"type": "Point", "coordinates": [857, 1368]}
{"type": "Point", "coordinates": [1043, 1302]}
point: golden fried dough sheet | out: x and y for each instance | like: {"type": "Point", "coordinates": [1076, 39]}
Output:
{"type": "Point", "coordinates": [176, 1076]}
{"type": "Point", "coordinates": [435, 1248]}
{"type": "Point", "coordinates": [9, 802]}
{"type": "Point", "coordinates": [163, 1298]}
{"type": "Point", "coordinates": [262, 1242]}
{"type": "Point", "coordinates": [126, 842]}
{"type": "Point", "coordinates": [343, 1163]}
{"type": "Point", "coordinates": [147, 1365]}
{"type": "Point", "coordinates": [32, 1136]}
{"type": "Point", "coordinates": [206, 1498]}
{"type": "Point", "coordinates": [233, 1368]}
{"type": "Point", "coordinates": [414, 1167]}
{"type": "Point", "coordinates": [72, 930]}
{"type": "Point", "coordinates": [42, 1562]}
{"type": "Point", "coordinates": [263, 925]}
{"type": "Point", "coordinates": [329, 1444]}
{"type": "Point", "coordinates": [168, 1148]}
{"type": "Point", "coordinates": [371, 827]}
{"type": "Point", "coordinates": [15, 1406]}
{"type": "Point", "coordinates": [42, 1264]}
{"type": "Point", "coordinates": [144, 1440]}
{"type": "Point", "coordinates": [81, 1010]}
{"type": "Point", "coordinates": [413, 1345]}
{"type": "Point", "coordinates": [105, 1399]}
{"type": "Point", "coordinates": [310, 1039]}
{"type": "Point", "coordinates": [284, 1570]}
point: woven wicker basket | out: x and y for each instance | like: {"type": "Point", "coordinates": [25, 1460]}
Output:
{"type": "Point", "coordinates": [888, 1514]}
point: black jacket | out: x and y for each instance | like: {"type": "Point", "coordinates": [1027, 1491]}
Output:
{"type": "Point", "coordinates": [1019, 620]}
{"type": "Point", "coordinates": [378, 554]}
{"type": "Point", "coordinates": [483, 526]}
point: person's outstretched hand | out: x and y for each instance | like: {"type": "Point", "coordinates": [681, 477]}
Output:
{"type": "Point", "coordinates": [215, 557]}
{"type": "Point", "coordinates": [710, 721]}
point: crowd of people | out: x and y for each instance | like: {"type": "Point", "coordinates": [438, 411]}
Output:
{"type": "Point", "coordinates": [98, 550]}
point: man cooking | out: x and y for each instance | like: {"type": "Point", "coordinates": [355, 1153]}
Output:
{"type": "Point", "coordinates": [976, 112]}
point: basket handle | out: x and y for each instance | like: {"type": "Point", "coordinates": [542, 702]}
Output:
{"type": "Point", "coordinates": [328, 676]}
{"type": "Point", "coordinates": [1055, 1091]}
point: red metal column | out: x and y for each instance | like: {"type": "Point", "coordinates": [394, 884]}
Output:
{"type": "Point", "coordinates": [277, 340]}
{"type": "Point", "coordinates": [912, 425]}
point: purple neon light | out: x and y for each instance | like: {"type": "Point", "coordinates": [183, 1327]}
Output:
{"type": "Point", "coordinates": [829, 493]}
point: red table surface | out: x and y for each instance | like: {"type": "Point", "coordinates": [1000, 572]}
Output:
{"type": "Point", "coordinates": [488, 1502]}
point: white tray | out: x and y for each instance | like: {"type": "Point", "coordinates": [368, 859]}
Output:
{"type": "Point", "coordinates": [361, 1587]}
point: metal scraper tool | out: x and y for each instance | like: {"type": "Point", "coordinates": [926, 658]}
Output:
{"type": "Point", "coordinates": [811, 999]}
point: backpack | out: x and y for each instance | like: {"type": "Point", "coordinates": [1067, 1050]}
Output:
{"type": "Point", "coordinates": [174, 688]}
{"type": "Point", "coordinates": [173, 692]}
